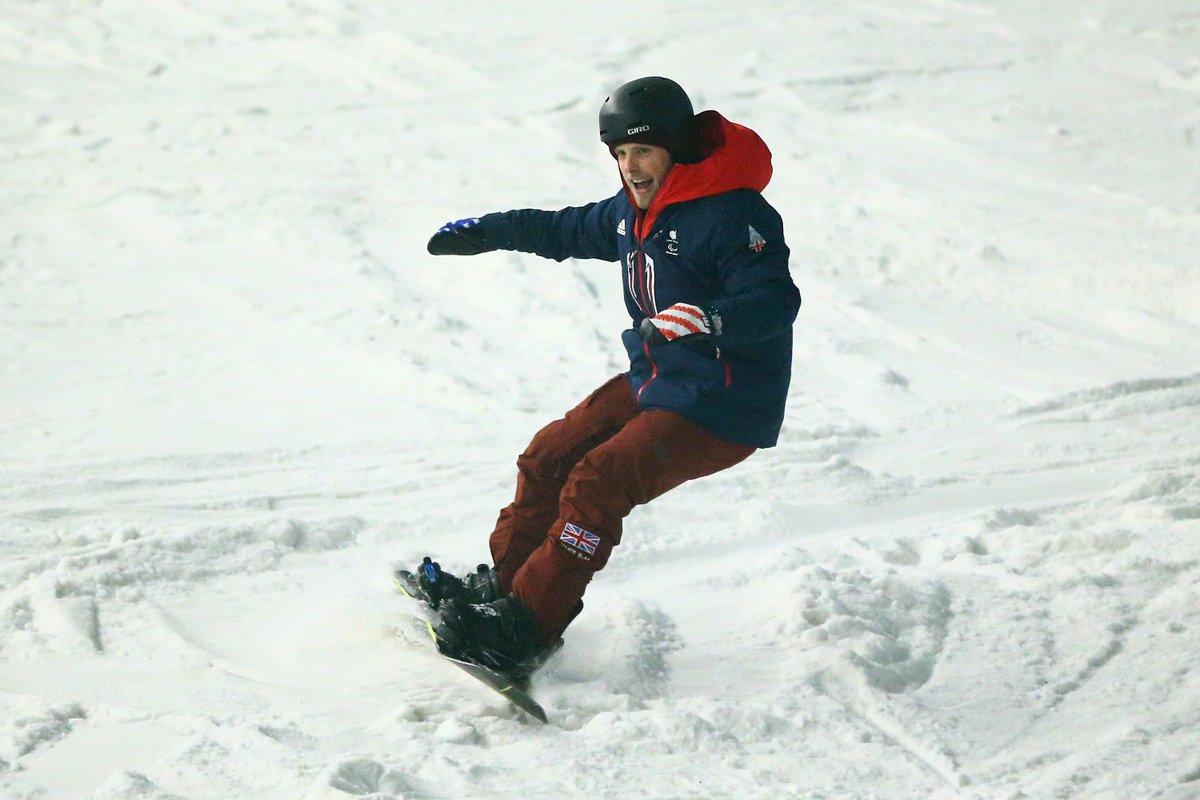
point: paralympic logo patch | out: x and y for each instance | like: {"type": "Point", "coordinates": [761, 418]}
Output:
{"type": "Point", "coordinates": [584, 543]}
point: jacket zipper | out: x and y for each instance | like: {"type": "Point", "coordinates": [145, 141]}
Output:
{"type": "Point", "coordinates": [653, 371]}
{"type": "Point", "coordinates": [642, 298]}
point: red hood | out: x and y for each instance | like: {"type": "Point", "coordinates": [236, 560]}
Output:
{"type": "Point", "coordinates": [738, 159]}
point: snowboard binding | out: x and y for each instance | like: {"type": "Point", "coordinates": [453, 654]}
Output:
{"type": "Point", "coordinates": [433, 586]}
{"type": "Point", "coordinates": [499, 635]}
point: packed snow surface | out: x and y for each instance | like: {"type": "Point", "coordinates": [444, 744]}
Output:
{"type": "Point", "coordinates": [234, 390]}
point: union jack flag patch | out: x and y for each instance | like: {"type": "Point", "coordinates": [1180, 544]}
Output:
{"type": "Point", "coordinates": [757, 242]}
{"type": "Point", "coordinates": [583, 542]}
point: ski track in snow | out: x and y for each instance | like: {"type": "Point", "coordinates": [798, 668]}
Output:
{"type": "Point", "coordinates": [234, 391]}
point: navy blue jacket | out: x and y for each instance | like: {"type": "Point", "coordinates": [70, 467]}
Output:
{"type": "Point", "coordinates": [708, 239]}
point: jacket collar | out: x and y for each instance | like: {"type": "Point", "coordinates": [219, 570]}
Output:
{"type": "Point", "coordinates": [738, 159]}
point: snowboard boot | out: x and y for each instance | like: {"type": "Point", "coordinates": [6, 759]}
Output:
{"type": "Point", "coordinates": [501, 635]}
{"type": "Point", "coordinates": [434, 587]}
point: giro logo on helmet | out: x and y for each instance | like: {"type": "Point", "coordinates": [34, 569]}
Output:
{"type": "Point", "coordinates": [640, 129]}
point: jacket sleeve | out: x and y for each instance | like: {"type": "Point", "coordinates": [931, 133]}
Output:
{"type": "Point", "coordinates": [758, 301]}
{"type": "Point", "coordinates": [574, 232]}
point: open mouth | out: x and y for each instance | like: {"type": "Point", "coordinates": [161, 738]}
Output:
{"type": "Point", "coordinates": [641, 185]}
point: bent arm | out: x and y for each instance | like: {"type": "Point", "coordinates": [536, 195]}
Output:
{"type": "Point", "coordinates": [760, 300]}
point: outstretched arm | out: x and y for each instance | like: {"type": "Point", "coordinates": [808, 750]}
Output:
{"type": "Point", "coordinates": [573, 232]}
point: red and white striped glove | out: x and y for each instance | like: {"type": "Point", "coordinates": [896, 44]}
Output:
{"type": "Point", "coordinates": [677, 322]}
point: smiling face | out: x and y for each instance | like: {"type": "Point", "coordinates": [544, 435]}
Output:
{"type": "Point", "coordinates": [644, 168]}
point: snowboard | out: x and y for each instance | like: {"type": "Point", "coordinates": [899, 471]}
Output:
{"type": "Point", "coordinates": [514, 691]}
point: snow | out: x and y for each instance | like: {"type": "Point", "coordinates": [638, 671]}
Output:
{"type": "Point", "coordinates": [234, 390]}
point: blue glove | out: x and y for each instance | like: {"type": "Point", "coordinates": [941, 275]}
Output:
{"type": "Point", "coordinates": [463, 237]}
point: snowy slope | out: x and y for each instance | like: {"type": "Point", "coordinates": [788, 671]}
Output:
{"type": "Point", "coordinates": [234, 390]}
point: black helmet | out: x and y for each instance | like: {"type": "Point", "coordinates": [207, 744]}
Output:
{"type": "Point", "coordinates": [651, 110]}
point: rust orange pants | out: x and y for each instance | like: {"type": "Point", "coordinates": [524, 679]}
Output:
{"type": "Point", "coordinates": [578, 480]}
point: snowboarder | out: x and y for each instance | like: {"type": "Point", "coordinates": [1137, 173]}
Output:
{"type": "Point", "coordinates": [711, 300]}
